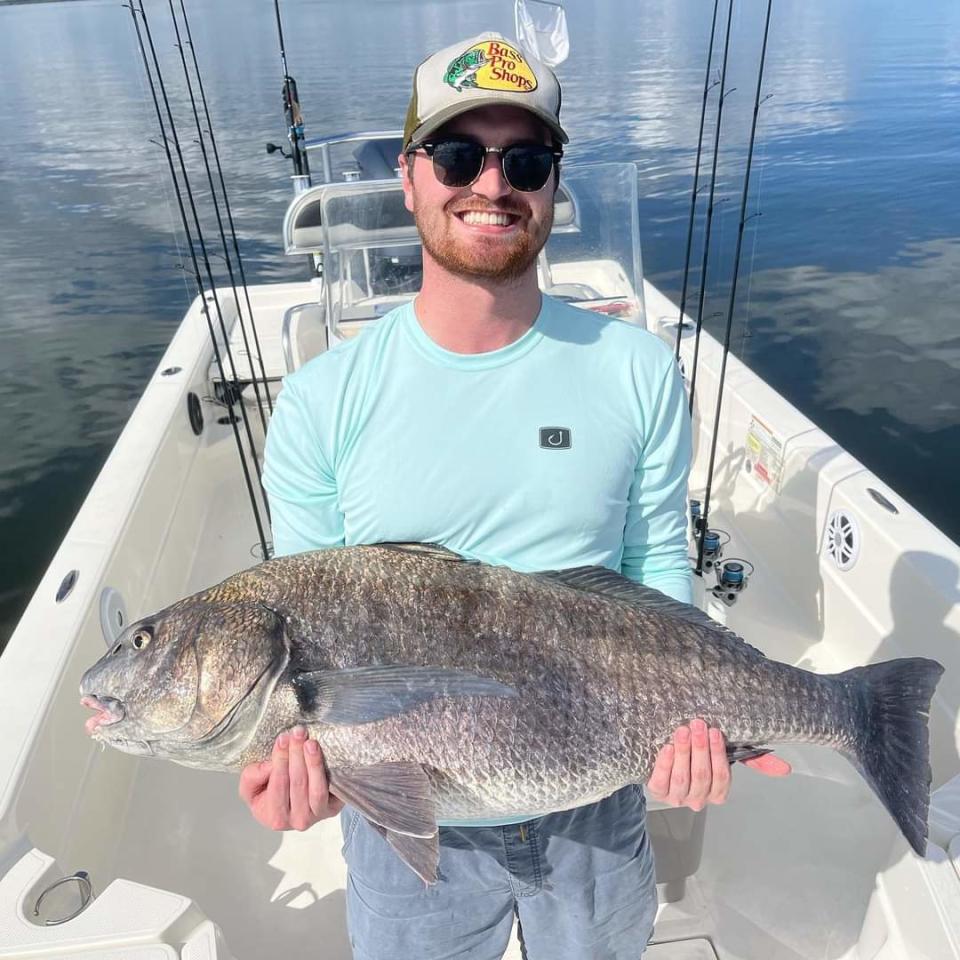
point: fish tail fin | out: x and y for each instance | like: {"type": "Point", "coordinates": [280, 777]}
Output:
{"type": "Point", "coordinates": [893, 752]}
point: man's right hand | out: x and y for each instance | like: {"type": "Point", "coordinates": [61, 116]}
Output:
{"type": "Point", "coordinates": [289, 791]}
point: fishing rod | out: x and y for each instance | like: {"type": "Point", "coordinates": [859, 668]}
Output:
{"type": "Point", "coordinates": [229, 396]}
{"type": "Point", "coordinates": [710, 204]}
{"type": "Point", "coordinates": [291, 110]}
{"type": "Point", "coordinates": [733, 289]}
{"type": "Point", "coordinates": [165, 143]}
{"type": "Point", "coordinates": [216, 210]}
{"type": "Point", "coordinates": [233, 231]}
{"type": "Point", "coordinates": [707, 87]}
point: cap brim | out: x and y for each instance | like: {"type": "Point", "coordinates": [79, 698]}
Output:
{"type": "Point", "coordinates": [454, 110]}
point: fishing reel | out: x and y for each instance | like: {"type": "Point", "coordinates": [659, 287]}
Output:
{"type": "Point", "coordinates": [696, 518]}
{"type": "Point", "coordinates": [732, 579]}
{"type": "Point", "coordinates": [713, 542]}
{"type": "Point", "coordinates": [731, 575]}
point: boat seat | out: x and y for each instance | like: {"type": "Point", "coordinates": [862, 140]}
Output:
{"type": "Point", "coordinates": [338, 217]}
{"type": "Point", "coordinates": [365, 214]}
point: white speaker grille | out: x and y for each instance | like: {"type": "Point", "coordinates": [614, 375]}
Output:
{"type": "Point", "coordinates": [842, 539]}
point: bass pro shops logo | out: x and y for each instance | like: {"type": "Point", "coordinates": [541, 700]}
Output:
{"type": "Point", "coordinates": [491, 65]}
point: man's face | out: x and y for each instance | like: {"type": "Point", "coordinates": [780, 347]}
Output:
{"type": "Point", "coordinates": [446, 216]}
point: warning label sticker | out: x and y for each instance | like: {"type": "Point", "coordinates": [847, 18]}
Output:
{"type": "Point", "coordinates": [764, 453]}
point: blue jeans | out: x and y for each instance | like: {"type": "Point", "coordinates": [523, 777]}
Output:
{"type": "Point", "coordinates": [580, 882]}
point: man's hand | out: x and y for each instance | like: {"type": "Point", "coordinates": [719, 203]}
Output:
{"type": "Point", "coordinates": [693, 770]}
{"type": "Point", "coordinates": [289, 791]}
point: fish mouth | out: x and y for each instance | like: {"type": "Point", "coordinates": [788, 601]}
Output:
{"type": "Point", "coordinates": [109, 711]}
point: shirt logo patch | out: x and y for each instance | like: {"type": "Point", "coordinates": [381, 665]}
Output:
{"type": "Point", "coordinates": [491, 65]}
{"type": "Point", "coordinates": [555, 438]}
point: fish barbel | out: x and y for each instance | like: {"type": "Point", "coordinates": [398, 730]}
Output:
{"type": "Point", "coordinates": [441, 688]}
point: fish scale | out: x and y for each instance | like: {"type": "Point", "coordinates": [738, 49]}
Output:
{"type": "Point", "coordinates": [441, 688]}
{"type": "Point", "coordinates": [461, 602]}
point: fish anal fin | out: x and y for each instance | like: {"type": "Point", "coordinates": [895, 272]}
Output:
{"type": "Point", "coordinates": [364, 694]}
{"type": "Point", "coordinates": [738, 752]}
{"type": "Point", "coordinates": [396, 796]}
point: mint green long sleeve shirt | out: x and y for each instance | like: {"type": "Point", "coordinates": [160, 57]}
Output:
{"type": "Point", "coordinates": [569, 446]}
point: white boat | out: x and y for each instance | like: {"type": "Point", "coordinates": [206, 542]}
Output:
{"type": "Point", "coordinates": [104, 855]}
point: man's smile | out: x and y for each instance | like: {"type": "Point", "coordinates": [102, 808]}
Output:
{"type": "Point", "coordinates": [489, 221]}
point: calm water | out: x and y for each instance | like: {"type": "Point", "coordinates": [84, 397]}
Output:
{"type": "Point", "coordinates": [851, 278]}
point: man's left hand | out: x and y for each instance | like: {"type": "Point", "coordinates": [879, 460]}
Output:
{"type": "Point", "coordinates": [693, 770]}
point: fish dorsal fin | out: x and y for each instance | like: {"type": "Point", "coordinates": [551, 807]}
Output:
{"type": "Point", "coordinates": [364, 694]}
{"type": "Point", "coordinates": [396, 796]}
{"type": "Point", "coordinates": [432, 550]}
{"type": "Point", "coordinates": [605, 581]}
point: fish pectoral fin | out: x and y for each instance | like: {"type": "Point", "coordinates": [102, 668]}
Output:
{"type": "Point", "coordinates": [364, 694]}
{"type": "Point", "coordinates": [738, 752]}
{"type": "Point", "coordinates": [396, 796]}
{"type": "Point", "coordinates": [420, 854]}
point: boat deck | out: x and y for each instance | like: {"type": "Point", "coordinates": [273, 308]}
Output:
{"type": "Point", "coordinates": [734, 902]}
{"type": "Point", "coordinates": [287, 890]}
{"type": "Point", "coordinates": [805, 868]}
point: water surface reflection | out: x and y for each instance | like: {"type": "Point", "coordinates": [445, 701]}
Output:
{"type": "Point", "coordinates": [853, 267]}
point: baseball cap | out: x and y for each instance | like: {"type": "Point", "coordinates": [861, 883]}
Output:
{"type": "Point", "coordinates": [485, 70]}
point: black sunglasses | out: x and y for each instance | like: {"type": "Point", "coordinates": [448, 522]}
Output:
{"type": "Point", "coordinates": [458, 162]}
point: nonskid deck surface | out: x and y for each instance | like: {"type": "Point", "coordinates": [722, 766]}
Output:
{"type": "Point", "coordinates": [789, 865]}
{"type": "Point", "coordinates": [785, 874]}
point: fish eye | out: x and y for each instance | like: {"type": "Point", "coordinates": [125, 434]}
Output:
{"type": "Point", "coordinates": [141, 638]}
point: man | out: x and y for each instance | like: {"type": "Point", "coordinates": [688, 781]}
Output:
{"type": "Point", "coordinates": [514, 429]}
